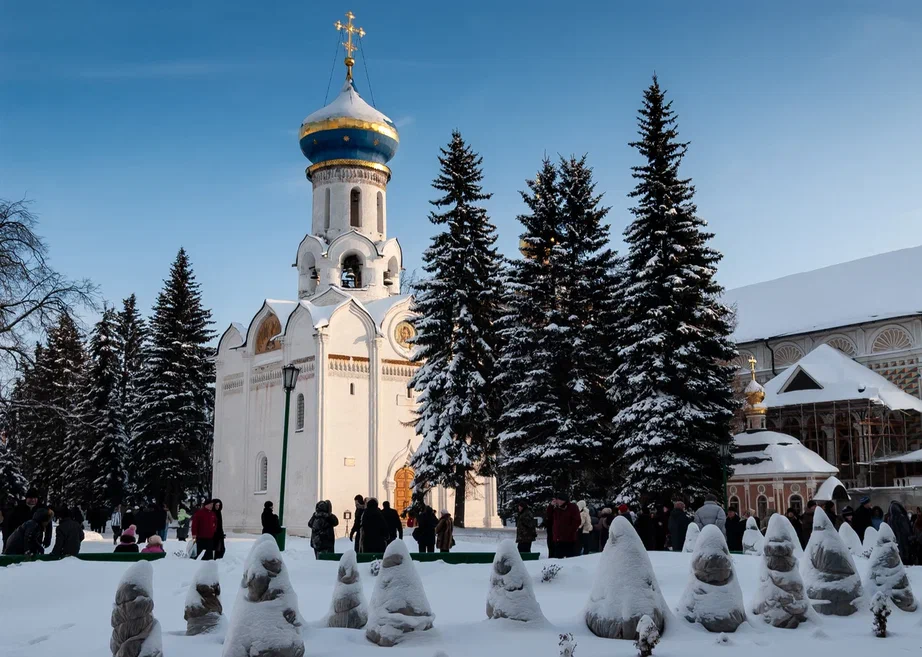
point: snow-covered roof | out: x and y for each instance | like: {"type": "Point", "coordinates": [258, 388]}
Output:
{"type": "Point", "coordinates": [835, 377]}
{"type": "Point", "coordinates": [763, 453]}
{"type": "Point", "coordinates": [909, 457]}
{"type": "Point", "coordinates": [830, 490]}
{"type": "Point", "coordinates": [348, 104]}
{"type": "Point", "coordinates": [379, 308]}
{"type": "Point", "coordinates": [282, 309]}
{"type": "Point", "coordinates": [873, 288]}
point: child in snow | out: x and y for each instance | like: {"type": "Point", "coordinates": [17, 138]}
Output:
{"type": "Point", "coordinates": [154, 545]}
{"type": "Point", "coordinates": [126, 542]}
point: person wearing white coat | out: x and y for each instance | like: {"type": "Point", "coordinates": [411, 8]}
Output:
{"type": "Point", "coordinates": [585, 527]}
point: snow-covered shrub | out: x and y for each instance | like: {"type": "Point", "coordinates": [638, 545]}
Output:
{"type": "Point", "coordinates": [399, 604]}
{"type": "Point", "coordinates": [880, 607]}
{"type": "Point", "coordinates": [752, 538]}
{"type": "Point", "coordinates": [647, 637]}
{"type": "Point", "coordinates": [348, 608]}
{"type": "Point", "coordinates": [511, 594]}
{"type": "Point", "coordinates": [549, 572]}
{"type": "Point", "coordinates": [375, 567]}
{"type": "Point", "coordinates": [850, 538]}
{"type": "Point", "coordinates": [869, 543]}
{"type": "Point", "coordinates": [691, 537]}
{"type": "Point", "coordinates": [135, 631]}
{"type": "Point", "coordinates": [886, 573]}
{"type": "Point", "coordinates": [713, 597]}
{"type": "Point", "coordinates": [829, 572]}
{"type": "Point", "coordinates": [567, 645]}
{"type": "Point", "coordinates": [203, 612]}
{"type": "Point", "coordinates": [625, 588]}
{"type": "Point", "coordinates": [781, 599]}
{"type": "Point", "coordinates": [265, 619]}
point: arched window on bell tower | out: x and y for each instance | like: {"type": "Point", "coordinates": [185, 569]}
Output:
{"type": "Point", "coordinates": [380, 212]}
{"type": "Point", "coordinates": [355, 208]}
{"type": "Point", "coordinates": [351, 272]}
{"type": "Point", "coordinates": [326, 209]}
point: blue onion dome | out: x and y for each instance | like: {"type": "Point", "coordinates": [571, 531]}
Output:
{"type": "Point", "coordinates": [348, 131]}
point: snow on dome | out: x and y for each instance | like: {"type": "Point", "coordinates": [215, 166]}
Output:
{"type": "Point", "coordinates": [348, 104]}
{"type": "Point", "coordinates": [771, 452]}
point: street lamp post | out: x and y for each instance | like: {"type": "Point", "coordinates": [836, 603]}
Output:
{"type": "Point", "coordinates": [289, 380]}
{"type": "Point", "coordinates": [724, 458]}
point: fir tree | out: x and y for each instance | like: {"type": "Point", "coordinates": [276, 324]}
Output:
{"type": "Point", "coordinates": [102, 412]}
{"type": "Point", "coordinates": [173, 425]}
{"type": "Point", "coordinates": [555, 355]}
{"type": "Point", "coordinates": [672, 387]}
{"type": "Point", "coordinates": [457, 306]}
{"type": "Point", "coordinates": [12, 482]}
{"type": "Point", "coordinates": [132, 332]}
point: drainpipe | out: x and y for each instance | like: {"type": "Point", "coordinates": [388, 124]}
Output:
{"type": "Point", "coordinates": [772, 352]}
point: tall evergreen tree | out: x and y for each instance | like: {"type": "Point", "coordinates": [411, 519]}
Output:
{"type": "Point", "coordinates": [555, 357]}
{"type": "Point", "coordinates": [131, 333]}
{"type": "Point", "coordinates": [457, 307]}
{"type": "Point", "coordinates": [173, 426]}
{"type": "Point", "coordinates": [12, 482]}
{"type": "Point", "coordinates": [104, 426]}
{"type": "Point", "coordinates": [672, 389]}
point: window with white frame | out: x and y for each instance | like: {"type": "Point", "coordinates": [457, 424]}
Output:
{"type": "Point", "coordinates": [299, 413]}
{"type": "Point", "coordinates": [262, 473]}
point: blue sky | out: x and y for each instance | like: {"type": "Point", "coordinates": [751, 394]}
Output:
{"type": "Point", "coordinates": [138, 128]}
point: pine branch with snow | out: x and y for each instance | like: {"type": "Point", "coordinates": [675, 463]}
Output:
{"type": "Point", "coordinates": [880, 608]}
{"type": "Point", "coordinates": [648, 636]}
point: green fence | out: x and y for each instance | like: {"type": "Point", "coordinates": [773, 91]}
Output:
{"type": "Point", "coordinates": [119, 557]}
{"type": "Point", "coordinates": [447, 557]}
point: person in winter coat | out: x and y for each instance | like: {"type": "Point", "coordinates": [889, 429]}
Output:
{"type": "Point", "coordinates": [877, 517]}
{"type": "Point", "coordinates": [829, 508]}
{"type": "Point", "coordinates": [270, 521]}
{"type": "Point", "coordinates": [116, 521]}
{"type": "Point", "coordinates": [662, 527]}
{"type": "Point", "coordinates": [899, 523]}
{"type": "Point", "coordinates": [167, 521]}
{"type": "Point", "coordinates": [646, 528]}
{"type": "Point", "coordinates": [711, 513]}
{"type": "Point", "coordinates": [28, 539]}
{"type": "Point", "coordinates": [22, 513]}
{"type": "Point", "coordinates": [443, 532]}
{"type": "Point", "coordinates": [154, 545]}
{"type": "Point", "coordinates": [566, 523]}
{"type": "Point", "coordinates": [392, 518]}
{"type": "Point", "coordinates": [68, 536]}
{"type": "Point", "coordinates": [796, 522]}
{"type": "Point", "coordinates": [806, 523]}
{"type": "Point", "coordinates": [182, 524]}
{"type": "Point", "coordinates": [323, 536]}
{"type": "Point", "coordinates": [149, 521]}
{"type": "Point", "coordinates": [204, 526]}
{"type": "Point", "coordinates": [549, 528]}
{"type": "Point", "coordinates": [735, 527]}
{"type": "Point", "coordinates": [526, 527]}
{"type": "Point", "coordinates": [863, 517]}
{"type": "Point", "coordinates": [128, 517]}
{"type": "Point", "coordinates": [585, 526]}
{"type": "Point", "coordinates": [355, 533]}
{"type": "Point", "coordinates": [219, 548]}
{"type": "Point", "coordinates": [679, 521]}
{"type": "Point", "coordinates": [424, 534]}
{"type": "Point", "coordinates": [374, 528]}
{"type": "Point", "coordinates": [605, 519]}
{"type": "Point", "coordinates": [126, 542]}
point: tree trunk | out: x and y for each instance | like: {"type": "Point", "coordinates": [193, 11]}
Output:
{"type": "Point", "coordinates": [460, 494]}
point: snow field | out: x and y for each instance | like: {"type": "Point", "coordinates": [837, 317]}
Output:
{"type": "Point", "coordinates": [49, 609]}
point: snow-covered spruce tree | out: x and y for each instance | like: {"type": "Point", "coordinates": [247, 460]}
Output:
{"type": "Point", "coordinates": [102, 413]}
{"type": "Point", "coordinates": [672, 387]}
{"type": "Point", "coordinates": [29, 439]}
{"type": "Point", "coordinates": [555, 354]}
{"type": "Point", "coordinates": [457, 307]}
{"type": "Point", "coordinates": [132, 333]}
{"type": "Point", "coordinates": [173, 423]}
{"type": "Point", "coordinates": [12, 483]}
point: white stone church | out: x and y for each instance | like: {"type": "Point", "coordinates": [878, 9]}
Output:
{"type": "Point", "coordinates": [351, 412]}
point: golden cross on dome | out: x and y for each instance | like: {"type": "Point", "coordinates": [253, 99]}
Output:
{"type": "Point", "coordinates": [349, 29]}
{"type": "Point", "coordinates": [752, 366]}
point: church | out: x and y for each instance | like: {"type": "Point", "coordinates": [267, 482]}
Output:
{"type": "Point", "coordinates": [347, 330]}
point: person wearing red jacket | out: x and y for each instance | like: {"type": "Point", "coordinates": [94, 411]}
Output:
{"type": "Point", "coordinates": [204, 526]}
{"type": "Point", "coordinates": [565, 524]}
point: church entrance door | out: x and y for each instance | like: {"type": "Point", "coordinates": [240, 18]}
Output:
{"type": "Point", "coordinates": [403, 496]}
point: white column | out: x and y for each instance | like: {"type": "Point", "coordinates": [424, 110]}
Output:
{"type": "Point", "coordinates": [320, 376]}
{"type": "Point", "coordinates": [374, 413]}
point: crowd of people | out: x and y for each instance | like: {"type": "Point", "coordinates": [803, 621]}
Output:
{"type": "Point", "coordinates": [574, 529]}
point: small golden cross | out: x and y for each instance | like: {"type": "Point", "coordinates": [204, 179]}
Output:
{"type": "Point", "coordinates": [752, 366]}
{"type": "Point", "coordinates": [349, 29]}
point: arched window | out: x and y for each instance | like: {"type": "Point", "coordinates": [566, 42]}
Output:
{"type": "Point", "coordinates": [299, 413]}
{"type": "Point", "coordinates": [355, 207]}
{"type": "Point", "coordinates": [262, 473]}
{"type": "Point", "coordinates": [380, 212]}
{"type": "Point", "coordinates": [734, 504]}
{"type": "Point", "coordinates": [797, 503]}
{"type": "Point", "coordinates": [762, 508]}
{"type": "Point", "coordinates": [266, 335]}
{"type": "Point", "coordinates": [352, 272]}
{"type": "Point", "coordinates": [326, 209]}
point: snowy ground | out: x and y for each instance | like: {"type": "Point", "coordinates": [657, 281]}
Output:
{"type": "Point", "coordinates": [62, 608]}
